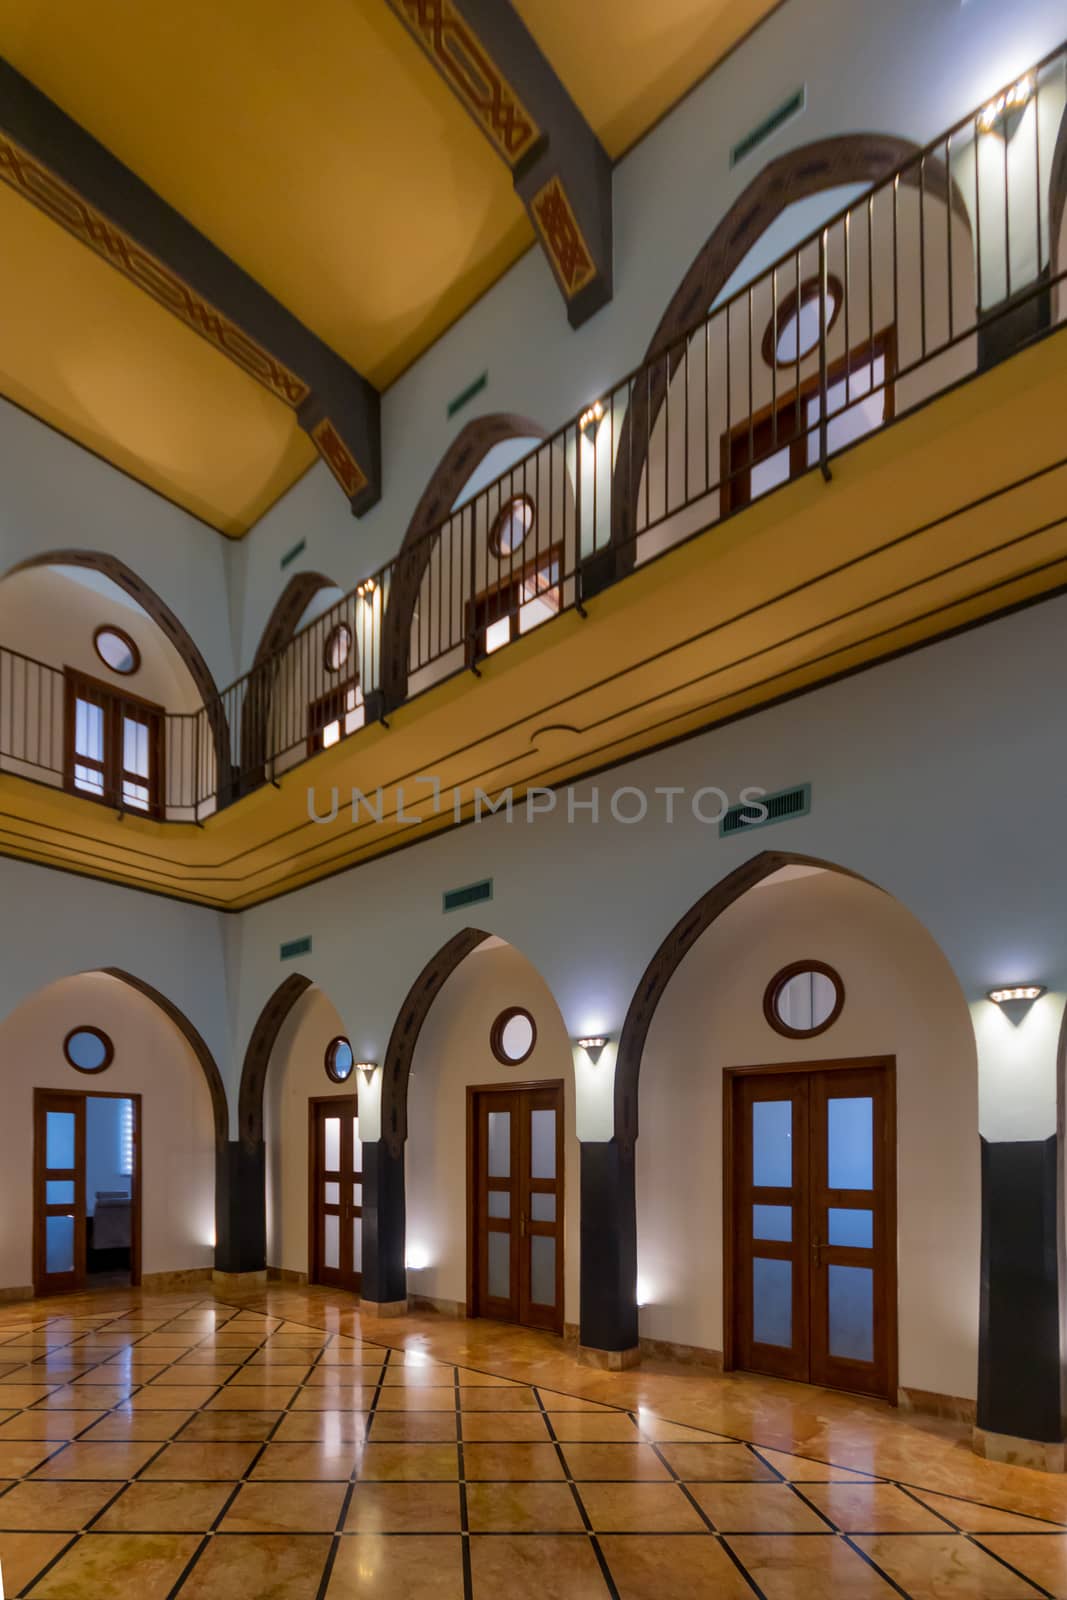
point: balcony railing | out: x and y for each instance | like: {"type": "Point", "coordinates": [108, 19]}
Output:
{"type": "Point", "coordinates": [954, 260]}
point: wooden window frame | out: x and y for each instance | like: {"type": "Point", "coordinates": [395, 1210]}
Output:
{"type": "Point", "coordinates": [496, 1036]}
{"type": "Point", "coordinates": [131, 645]}
{"type": "Point", "coordinates": [116, 701]}
{"type": "Point", "coordinates": [329, 707]}
{"type": "Point", "coordinates": [105, 1040]}
{"type": "Point", "coordinates": [503, 599]}
{"type": "Point", "coordinates": [781, 424]}
{"type": "Point", "coordinates": [778, 983]}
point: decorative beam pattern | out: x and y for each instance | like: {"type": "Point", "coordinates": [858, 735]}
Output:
{"type": "Point", "coordinates": [561, 172]}
{"type": "Point", "coordinates": [56, 165]}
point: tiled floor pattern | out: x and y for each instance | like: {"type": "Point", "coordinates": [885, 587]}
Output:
{"type": "Point", "coordinates": [183, 1447]}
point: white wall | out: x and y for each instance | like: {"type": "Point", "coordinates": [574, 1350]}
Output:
{"type": "Point", "coordinates": [296, 1075]}
{"type": "Point", "coordinates": [177, 1132]}
{"type": "Point", "coordinates": [56, 496]}
{"type": "Point", "coordinates": [911, 69]}
{"type": "Point", "coordinates": [452, 1052]}
{"type": "Point", "coordinates": [901, 1000]}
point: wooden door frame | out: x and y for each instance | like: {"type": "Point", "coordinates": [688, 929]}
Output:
{"type": "Point", "coordinates": [314, 1101]}
{"type": "Point", "coordinates": [730, 1075]}
{"type": "Point", "coordinates": [525, 1086]}
{"type": "Point", "coordinates": [135, 1179]}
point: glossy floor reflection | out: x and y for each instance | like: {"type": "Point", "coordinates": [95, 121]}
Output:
{"type": "Point", "coordinates": [164, 1445]}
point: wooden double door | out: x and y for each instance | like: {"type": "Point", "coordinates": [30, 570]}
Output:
{"type": "Point", "coordinates": [515, 1189]}
{"type": "Point", "coordinates": [811, 1224]}
{"type": "Point", "coordinates": [60, 1209]}
{"type": "Point", "coordinates": [335, 1209]}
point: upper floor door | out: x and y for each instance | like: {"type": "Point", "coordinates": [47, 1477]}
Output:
{"type": "Point", "coordinates": [114, 746]}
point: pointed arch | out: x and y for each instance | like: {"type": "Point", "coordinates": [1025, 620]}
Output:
{"type": "Point", "coordinates": [156, 607]}
{"type": "Point", "coordinates": [257, 1057]}
{"type": "Point", "coordinates": [277, 634]}
{"type": "Point", "coordinates": [464, 455]}
{"type": "Point", "coordinates": [404, 1037]}
{"type": "Point", "coordinates": [196, 1042]}
{"type": "Point", "coordinates": [795, 175]}
{"type": "Point", "coordinates": [669, 957]}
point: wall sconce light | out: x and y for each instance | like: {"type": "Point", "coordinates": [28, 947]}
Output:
{"type": "Point", "coordinates": [1021, 991]}
{"type": "Point", "coordinates": [1002, 114]}
{"type": "Point", "coordinates": [590, 417]}
{"type": "Point", "coordinates": [366, 589]}
{"type": "Point", "coordinates": [593, 1047]}
{"type": "Point", "coordinates": [368, 1069]}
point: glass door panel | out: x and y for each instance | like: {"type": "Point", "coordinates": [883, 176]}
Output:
{"type": "Point", "coordinates": [59, 1192]}
{"type": "Point", "coordinates": [812, 1287]}
{"type": "Point", "coordinates": [517, 1205]}
{"type": "Point", "coordinates": [336, 1244]}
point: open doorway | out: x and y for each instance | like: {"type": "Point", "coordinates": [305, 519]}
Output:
{"type": "Point", "coordinates": [86, 1190]}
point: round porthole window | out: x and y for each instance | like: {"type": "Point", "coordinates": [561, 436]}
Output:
{"type": "Point", "coordinates": [513, 1036]}
{"type": "Point", "coordinates": [512, 525]}
{"type": "Point", "coordinates": [804, 999]}
{"type": "Point", "coordinates": [338, 647]}
{"type": "Point", "coordinates": [794, 333]}
{"type": "Point", "coordinates": [117, 651]}
{"type": "Point", "coordinates": [339, 1060]}
{"type": "Point", "coordinates": [88, 1049]}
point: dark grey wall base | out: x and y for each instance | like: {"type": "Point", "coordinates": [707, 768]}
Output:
{"type": "Point", "coordinates": [240, 1207]}
{"type": "Point", "coordinates": [609, 1247]}
{"type": "Point", "coordinates": [1019, 1318]}
{"type": "Point", "coordinates": [384, 1221]}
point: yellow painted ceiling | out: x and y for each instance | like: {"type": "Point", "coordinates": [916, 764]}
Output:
{"type": "Point", "coordinates": [318, 147]}
{"type": "Point", "coordinates": [626, 62]}
{"type": "Point", "coordinates": [86, 351]}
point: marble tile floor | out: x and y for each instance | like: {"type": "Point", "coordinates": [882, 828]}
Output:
{"type": "Point", "coordinates": [279, 1446]}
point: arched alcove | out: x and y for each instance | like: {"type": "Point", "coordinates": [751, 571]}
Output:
{"type": "Point", "coordinates": [52, 606]}
{"type": "Point", "coordinates": [156, 1054]}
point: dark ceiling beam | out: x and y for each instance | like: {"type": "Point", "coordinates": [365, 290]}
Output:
{"type": "Point", "coordinates": [561, 171]}
{"type": "Point", "coordinates": [54, 163]}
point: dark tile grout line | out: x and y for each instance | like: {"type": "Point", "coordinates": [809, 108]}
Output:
{"type": "Point", "coordinates": [464, 1514]}
{"type": "Point", "coordinates": [605, 1570]}
{"type": "Point", "coordinates": [975, 1539]}
{"type": "Point", "coordinates": [329, 1337]}
{"type": "Point", "coordinates": [856, 1473]}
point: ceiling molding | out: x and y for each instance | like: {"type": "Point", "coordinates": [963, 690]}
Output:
{"type": "Point", "coordinates": [560, 170]}
{"type": "Point", "coordinates": [52, 162]}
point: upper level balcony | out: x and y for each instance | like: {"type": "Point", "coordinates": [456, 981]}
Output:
{"type": "Point", "coordinates": [828, 457]}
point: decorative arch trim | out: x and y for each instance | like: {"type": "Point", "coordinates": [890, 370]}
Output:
{"type": "Point", "coordinates": [167, 621]}
{"type": "Point", "coordinates": [795, 175]}
{"type": "Point", "coordinates": [406, 1029]}
{"type": "Point", "coordinates": [464, 455]}
{"type": "Point", "coordinates": [196, 1042]}
{"type": "Point", "coordinates": [669, 957]}
{"type": "Point", "coordinates": [288, 609]}
{"type": "Point", "coordinates": [276, 636]}
{"type": "Point", "coordinates": [257, 1057]}
{"type": "Point", "coordinates": [1058, 196]}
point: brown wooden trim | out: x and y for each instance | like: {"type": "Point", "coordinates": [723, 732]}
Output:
{"type": "Point", "coordinates": [502, 515]}
{"type": "Point", "coordinates": [791, 304]}
{"type": "Point", "coordinates": [329, 707]}
{"type": "Point", "coordinates": [98, 1033]}
{"type": "Point", "coordinates": [463, 456]}
{"type": "Point", "coordinates": [732, 1075]}
{"type": "Point", "coordinates": [40, 1097]}
{"type": "Point", "coordinates": [496, 1036]}
{"type": "Point", "coordinates": [194, 1040]}
{"type": "Point", "coordinates": [806, 170]}
{"type": "Point", "coordinates": [258, 1053]}
{"type": "Point", "coordinates": [165, 619]}
{"type": "Point", "coordinates": [672, 951]}
{"type": "Point", "coordinates": [777, 984]}
{"type": "Point", "coordinates": [330, 1060]}
{"type": "Point", "coordinates": [120, 633]}
{"type": "Point", "coordinates": [315, 1266]}
{"type": "Point", "coordinates": [404, 1036]}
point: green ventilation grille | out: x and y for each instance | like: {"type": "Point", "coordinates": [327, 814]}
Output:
{"type": "Point", "coordinates": [291, 555]}
{"type": "Point", "coordinates": [471, 894]}
{"type": "Point", "coordinates": [779, 807]}
{"type": "Point", "coordinates": [295, 947]}
{"type": "Point", "coordinates": [771, 123]}
{"type": "Point", "coordinates": [465, 396]}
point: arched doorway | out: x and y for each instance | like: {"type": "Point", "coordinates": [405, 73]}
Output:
{"type": "Point", "coordinates": [115, 1114]}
